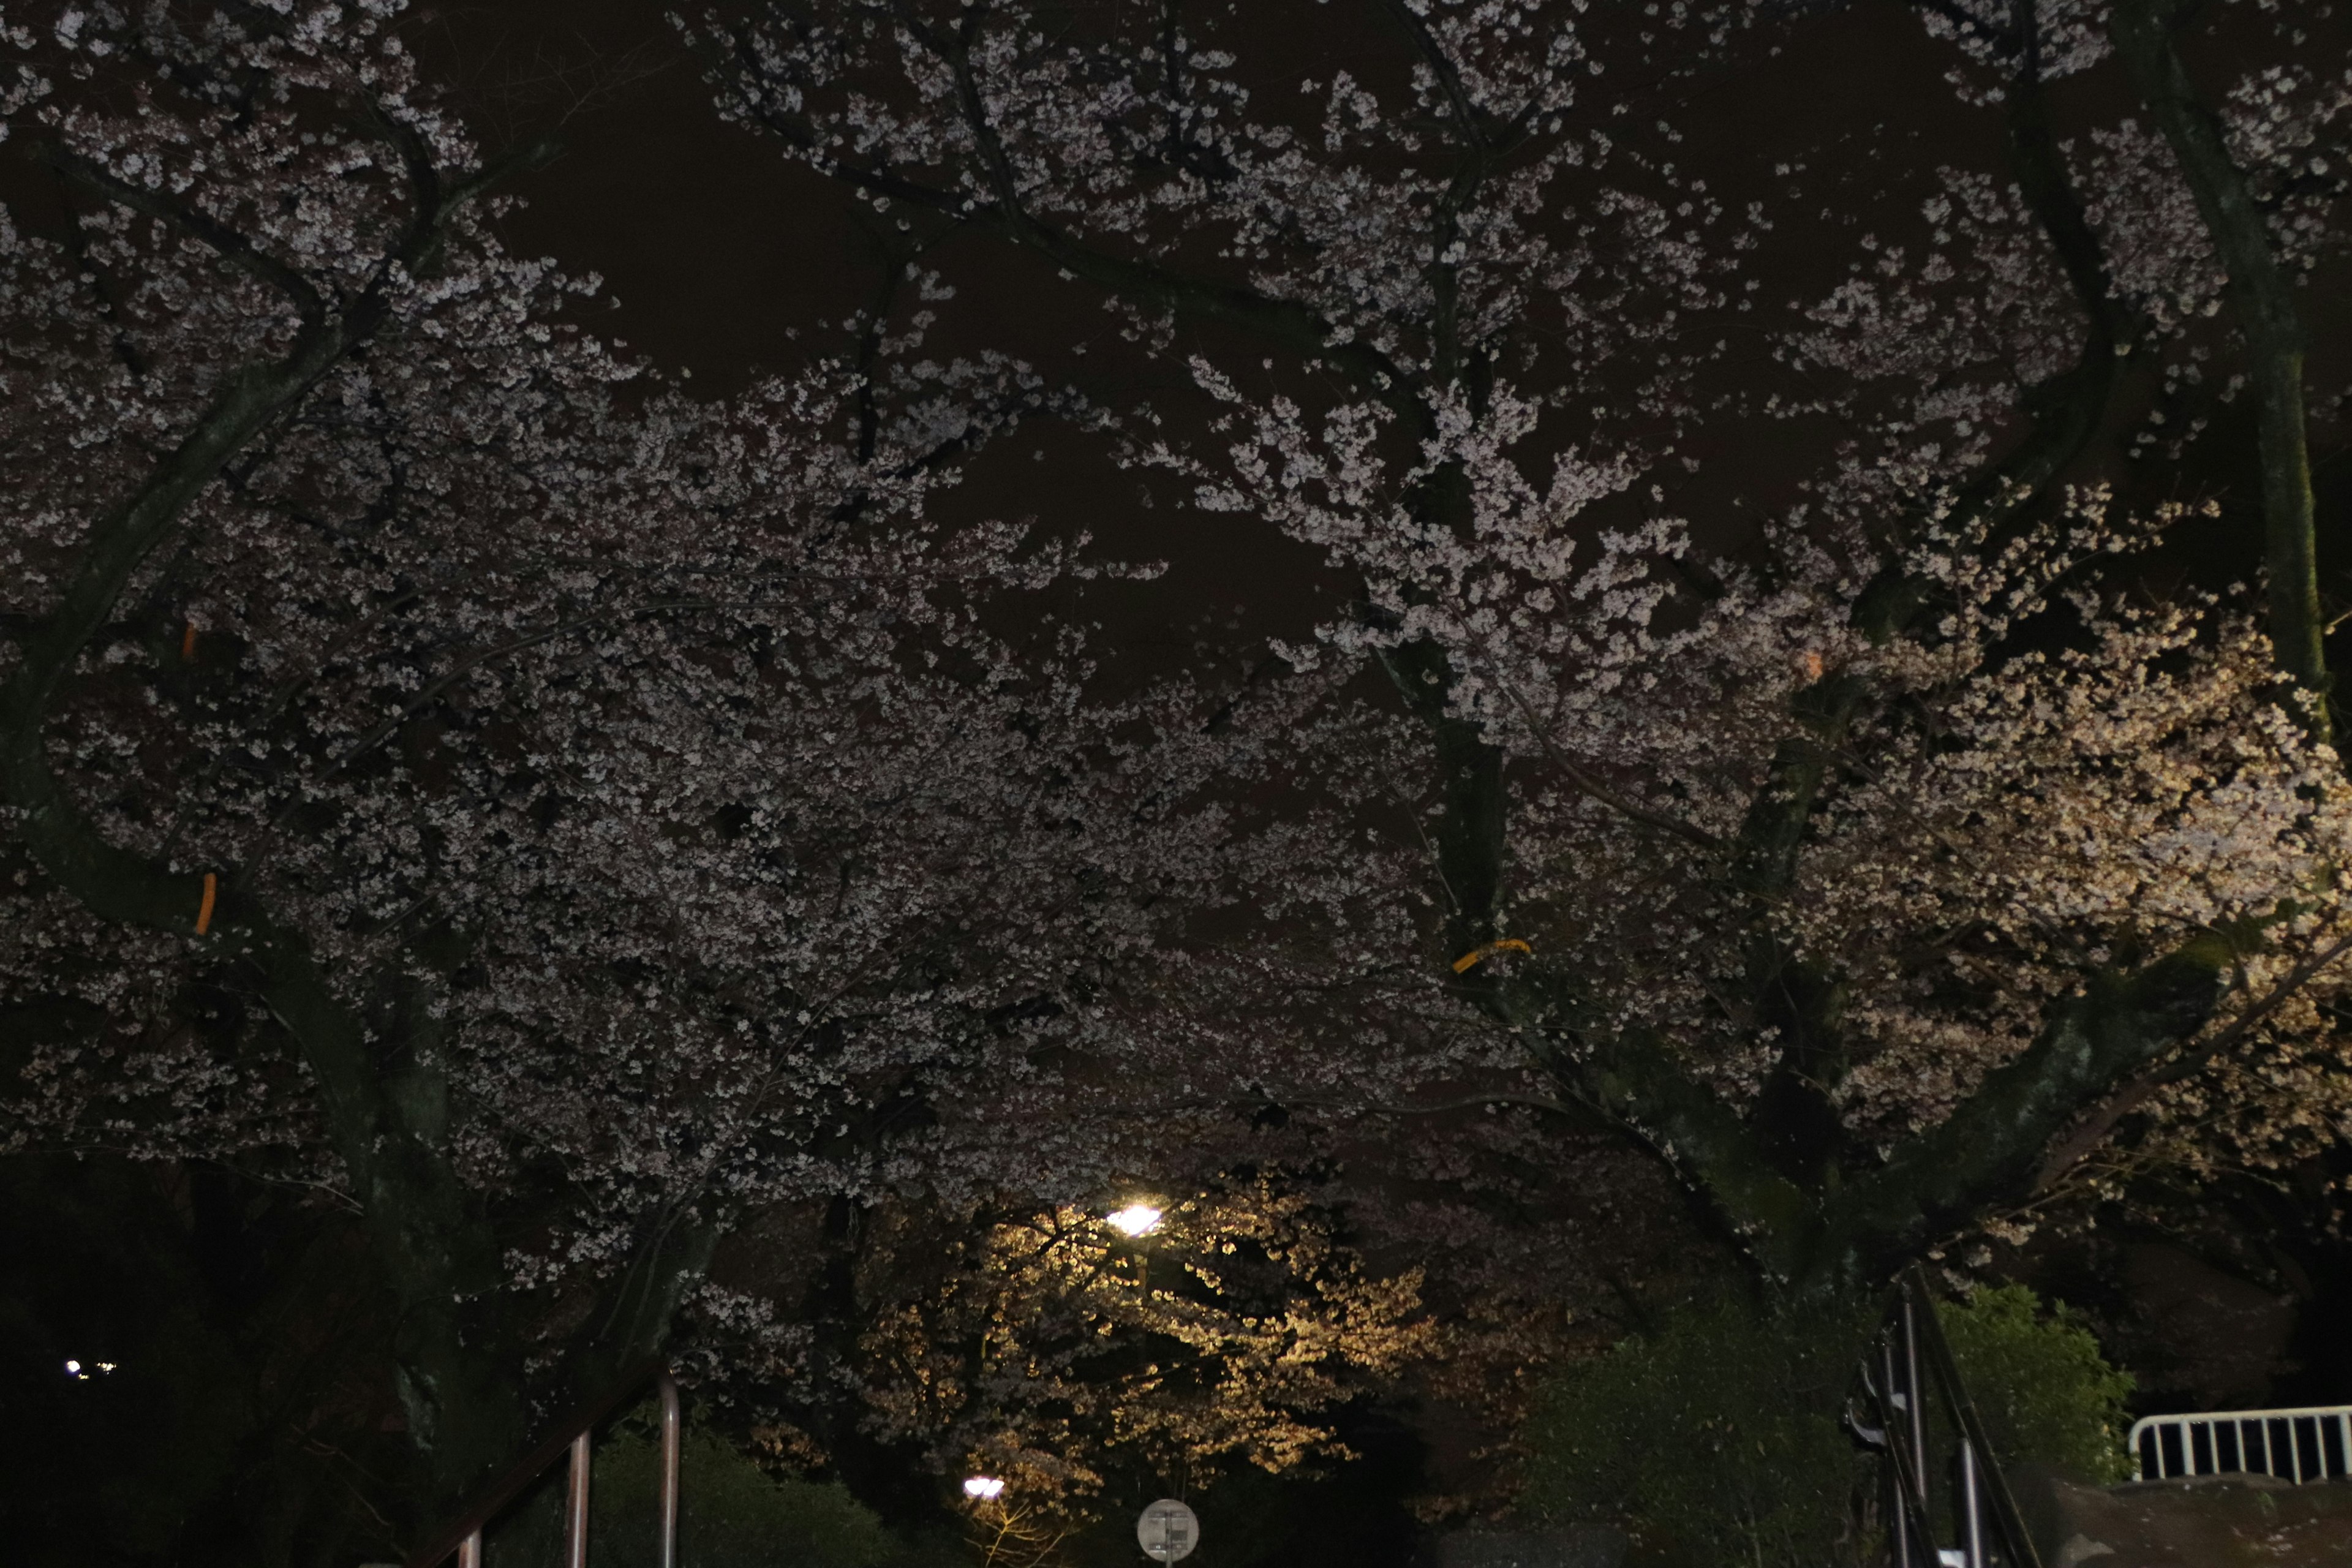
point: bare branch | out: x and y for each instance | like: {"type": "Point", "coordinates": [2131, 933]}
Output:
{"type": "Point", "coordinates": [231, 247]}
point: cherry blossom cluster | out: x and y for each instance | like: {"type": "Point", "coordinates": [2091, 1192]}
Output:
{"type": "Point", "coordinates": [643, 771]}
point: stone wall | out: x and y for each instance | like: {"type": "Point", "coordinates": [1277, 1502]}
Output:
{"type": "Point", "coordinates": [2212, 1521]}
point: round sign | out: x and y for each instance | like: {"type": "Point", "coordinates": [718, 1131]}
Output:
{"type": "Point", "coordinates": [1167, 1530]}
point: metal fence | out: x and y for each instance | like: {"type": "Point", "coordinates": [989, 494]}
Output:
{"type": "Point", "coordinates": [2311, 1443]}
{"type": "Point", "coordinates": [571, 1443]}
{"type": "Point", "coordinates": [1944, 1503]}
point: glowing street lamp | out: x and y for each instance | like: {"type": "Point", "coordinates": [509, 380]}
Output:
{"type": "Point", "coordinates": [982, 1488]}
{"type": "Point", "coordinates": [1135, 1220]}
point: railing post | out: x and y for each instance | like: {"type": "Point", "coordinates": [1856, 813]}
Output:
{"type": "Point", "coordinates": [1971, 1514]}
{"type": "Point", "coordinates": [2261, 1442]}
{"type": "Point", "coordinates": [671, 1434]}
{"type": "Point", "coordinates": [1992, 1532]}
{"type": "Point", "coordinates": [575, 1510]}
{"type": "Point", "coordinates": [574, 1436]}
{"type": "Point", "coordinates": [1898, 1490]}
{"type": "Point", "coordinates": [1911, 1392]}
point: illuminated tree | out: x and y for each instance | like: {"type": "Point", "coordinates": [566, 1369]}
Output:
{"type": "Point", "coordinates": [1868, 857]}
{"type": "Point", "coordinates": [446, 769]}
{"type": "Point", "coordinates": [1045, 1350]}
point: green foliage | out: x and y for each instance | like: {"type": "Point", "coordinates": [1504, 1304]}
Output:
{"type": "Point", "coordinates": [731, 1514]}
{"type": "Point", "coordinates": [2041, 1385]}
{"type": "Point", "coordinates": [1715, 1440]}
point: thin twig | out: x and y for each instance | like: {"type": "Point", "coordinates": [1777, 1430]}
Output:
{"type": "Point", "coordinates": [1587, 784]}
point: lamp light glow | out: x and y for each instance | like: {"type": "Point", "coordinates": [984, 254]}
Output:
{"type": "Point", "coordinates": [982, 1488]}
{"type": "Point", "coordinates": [1135, 1219]}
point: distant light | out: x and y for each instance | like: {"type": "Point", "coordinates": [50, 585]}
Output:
{"type": "Point", "coordinates": [73, 1369]}
{"type": "Point", "coordinates": [982, 1487]}
{"type": "Point", "coordinates": [1135, 1219]}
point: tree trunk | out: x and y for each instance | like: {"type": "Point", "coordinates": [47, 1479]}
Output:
{"type": "Point", "coordinates": [2263, 305]}
{"type": "Point", "coordinates": [456, 1358]}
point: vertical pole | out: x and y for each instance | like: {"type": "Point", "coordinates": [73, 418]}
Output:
{"type": "Point", "coordinates": [2344, 1442]}
{"type": "Point", "coordinates": [1911, 1393]}
{"type": "Point", "coordinates": [670, 1438]}
{"type": "Point", "coordinates": [575, 1511]}
{"type": "Point", "coordinates": [1971, 1514]}
{"type": "Point", "coordinates": [469, 1552]}
{"type": "Point", "coordinates": [1897, 1495]}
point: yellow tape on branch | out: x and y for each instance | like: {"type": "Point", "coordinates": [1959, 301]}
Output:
{"type": "Point", "coordinates": [1488, 951]}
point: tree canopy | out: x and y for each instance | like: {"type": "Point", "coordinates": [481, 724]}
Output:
{"type": "Point", "coordinates": [1752, 694]}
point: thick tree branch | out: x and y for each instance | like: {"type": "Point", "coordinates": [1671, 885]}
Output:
{"type": "Point", "coordinates": [2094, 1129]}
{"type": "Point", "coordinates": [1633, 1080]}
{"type": "Point", "coordinates": [1989, 1150]}
{"type": "Point", "coordinates": [231, 247]}
{"type": "Point", "coordinates": [1440, 66]}
{"type": "Point", "coordinates": [387, 1114]}
{"type": "Point", "coordinates": [114, 883]}
{"type": "Point", "coordinates": [1473, 804]}
{"type": "Point", "coordinates": [1283, 322]}
{"type": "Point", "coordinates": [1584, 783]}
{"type": "Point", "coordinates": [2264, 307]}
{"type": "Point", "coordinates": [1801, 999]}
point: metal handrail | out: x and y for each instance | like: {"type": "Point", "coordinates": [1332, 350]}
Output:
{"type": "Point", "coordinates": [572, 1437]}
{"type": "Point", "coordinates": [2238, 1423]}
{"type": "Point", "coordinates": [1992, 1532]}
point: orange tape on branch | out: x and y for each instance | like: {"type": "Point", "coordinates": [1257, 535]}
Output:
{"type": "Point", "coordinates": [1488, 951]}
{"type": "Point", "coordinates": [188, 643]}
{"type": "Point", "coordinates": [205, 909]}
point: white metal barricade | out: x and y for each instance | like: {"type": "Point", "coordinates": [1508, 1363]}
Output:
{"type": "Point", "coordinates": [2311, 1443]}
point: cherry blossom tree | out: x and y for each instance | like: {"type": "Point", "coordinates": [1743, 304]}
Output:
{"type": "Point", "coordinates": [1042, 1349]}
{"type": "Point", "coordinates": [1869, 860]}
{"type": "Point", "coordinates": [450, 772]}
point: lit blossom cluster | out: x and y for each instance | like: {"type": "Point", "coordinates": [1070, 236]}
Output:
{"type": "Point", "coordinates": [641, 772]}
{"type": "Point", "coordinates": [1513, 298]}
{"type": "Point", "coordinates": [1054, 1346]}
{"type": "Point", "coordinates": [698, 824]}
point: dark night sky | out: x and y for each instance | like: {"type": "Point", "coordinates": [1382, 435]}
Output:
{"type": "Point", "coordinates": [726, 261]}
